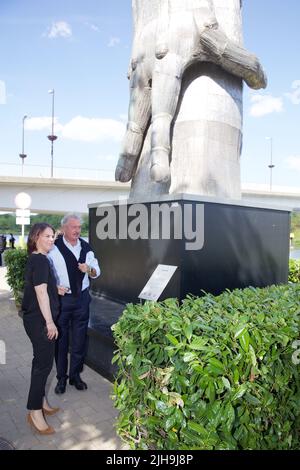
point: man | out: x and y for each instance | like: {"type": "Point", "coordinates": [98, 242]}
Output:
{"type": "Point", "coordinates": [74, 263]}
{"type": "Point", "coordinates": [1, 249]}
{"type": "Point", "coordinates": [12, 241]}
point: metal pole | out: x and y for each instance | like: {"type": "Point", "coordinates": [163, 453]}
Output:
{"type": "Point", "coordinates": [52, 159]}
{"type": "Point", "coordinates": [52, 134]}
{"type": "Point", "coordinates": [271, 166]}
{"type": "Point", "coordinates": [23, 137]}
{"type": "Point", "coordinates": [23, 155]}
{"type": "Point", "coordinates": [53, 112]}
{"type": "Point", "coordinates": [52, 137]}
{"type": "Point", "coordinates": [23, 145]}
{"type": "Point", "coordinates": [23, 134]}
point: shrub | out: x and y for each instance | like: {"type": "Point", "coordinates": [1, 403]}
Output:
{"type": "Point", "coordinates": [213, 373]}
{"type": "Point", "coordinates": [294, 270]}
{"type": "Point", "coordinates": [15, 261]}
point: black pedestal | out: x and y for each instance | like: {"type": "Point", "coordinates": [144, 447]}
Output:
{"type": "Point", "coordinates": [103, 314]}
{"type": "Point", "coordinates": [242, 246]}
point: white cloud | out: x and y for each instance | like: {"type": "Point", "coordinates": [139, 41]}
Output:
{"type": "Point", "coordinates": [42, 123]}
{"type": "Point", "coordinates": [80, 128]}
{"type": "Point", "coordinates": [93, 129]}
{"type": "Point", "coordinates": [294, 97]}
{"type": "Point", "coordinates": [92, 26]}
{"type": "Point", "coordinates": [113, 42]}
{"type": "Point", "coordinates": [293, 162]}
{"type": "Point", "coordinates": [2, 92]}
{"type": "Point", "coordinates": [108, 158]}
{"type": "Point", "coordinates": [265, 104]}
{"type": "Point", "coordinates": [60, 29]}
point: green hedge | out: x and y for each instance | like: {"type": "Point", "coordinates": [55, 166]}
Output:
{"type": "Point", "coordinates": [213, 373]}
{"type": "Point", "coordinates": [294, 270]}
{"type": "Point", "coordinates": [15, 260]}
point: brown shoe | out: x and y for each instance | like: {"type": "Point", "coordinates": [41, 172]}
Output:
{"type": "Point", "coordinates": [50, 412]}
{"type": "Point", "coordinates": [48, 430]}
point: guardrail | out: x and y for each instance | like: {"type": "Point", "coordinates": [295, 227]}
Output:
{"type": "Point", "coordinates": [43, 171]}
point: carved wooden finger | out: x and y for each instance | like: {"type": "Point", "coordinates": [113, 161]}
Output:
{"type": "Point", "coordinates": [167, 76]}
{"type": "Point", "coordinates": [139, 115]}
{"type": "Point", "coordinates": [233, 58]}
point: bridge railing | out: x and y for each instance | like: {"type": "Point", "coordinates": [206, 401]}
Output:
{"type": "Point", "coordinates": [44, 171]}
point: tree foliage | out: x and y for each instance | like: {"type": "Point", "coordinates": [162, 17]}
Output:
{"type": "Point", "coordinates": [15, 261]}
{"type": "Point", "coordinates": [294, 270]}
{"type": "Point", "coordinates": [8, 223]}
{"type": "Point", "coordinates": [212, 373]}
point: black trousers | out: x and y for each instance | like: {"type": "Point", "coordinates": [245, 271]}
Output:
{"type": "Point", "coordinates": [74, 318]}
{"type": "Point", "coordinates": [43, 357]}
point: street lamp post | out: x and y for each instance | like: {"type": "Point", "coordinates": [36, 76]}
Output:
{"type": "Point", "coordinates": [23, 155]}
{"type": "Point", "coordinates": [52, 137]}
{"type": "Point", "coordinates": [271, 166]}
{"type": "Point", "coordinates": [23, 202]}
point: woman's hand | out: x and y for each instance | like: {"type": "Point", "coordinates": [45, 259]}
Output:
{"type": "Point", "coordinates": [62, 290]}
{"type": "Point", "coordinates": [52, 332]}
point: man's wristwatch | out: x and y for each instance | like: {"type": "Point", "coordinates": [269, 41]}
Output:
{"type": "Point", "coordinates": [89, 271]}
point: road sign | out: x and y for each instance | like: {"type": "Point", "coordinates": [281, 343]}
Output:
{"type": "Point", "coordinates": [22, 212]}
{"type": "Point", "coordinates": [23, 200]}
{"type": "Point", "coordinates": [23, 220]}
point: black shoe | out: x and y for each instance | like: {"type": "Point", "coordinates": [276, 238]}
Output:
{"type": "Point", "coordinates": [61, 386]}
{"type": "Point", "coordinates": [79, 384]}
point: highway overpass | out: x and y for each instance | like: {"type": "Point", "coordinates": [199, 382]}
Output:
{"type": "Point", "coordinates": [61, 195]}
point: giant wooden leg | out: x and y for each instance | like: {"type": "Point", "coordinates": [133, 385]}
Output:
{"type": "Point", "coordinates": [138, 117]}
{"type": "Point", "coordinates": [167, 76]}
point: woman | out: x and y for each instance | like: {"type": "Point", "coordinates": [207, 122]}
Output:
{"type": "Point", "coordinates": [12, 241]}
{"type": "Point", "coordinates": [40, 308]}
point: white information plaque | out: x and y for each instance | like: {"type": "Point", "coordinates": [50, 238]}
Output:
{"type": "Point", "coordinates": [157, 282]}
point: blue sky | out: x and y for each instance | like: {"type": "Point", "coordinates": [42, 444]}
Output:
{"type": "Point", "coordinates": [82, 49]}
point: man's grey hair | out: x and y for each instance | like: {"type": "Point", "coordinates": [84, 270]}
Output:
{"type": "Point", "coordinates": [69, 216]}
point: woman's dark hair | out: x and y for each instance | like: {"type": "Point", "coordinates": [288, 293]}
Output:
{"type": "Point", "coordinates": [34, 234]}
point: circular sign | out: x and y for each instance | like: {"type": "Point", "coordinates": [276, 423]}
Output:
{"type": "Point", "coordinates": [23, 200]}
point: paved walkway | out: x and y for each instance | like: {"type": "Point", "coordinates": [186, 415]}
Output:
{"type": "Point", "coordinates": [87, 418]}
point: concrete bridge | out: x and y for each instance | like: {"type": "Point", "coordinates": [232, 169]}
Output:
{"type": "Point", "coordinates": [281, 196]}
{"type": "Point", "coordinates": [58, 195]}
{"type": "Point", "coordinates": [61, 195]}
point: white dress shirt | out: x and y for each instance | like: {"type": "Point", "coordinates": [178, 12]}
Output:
{"type": "Point", "coordinates": [60, 266]}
